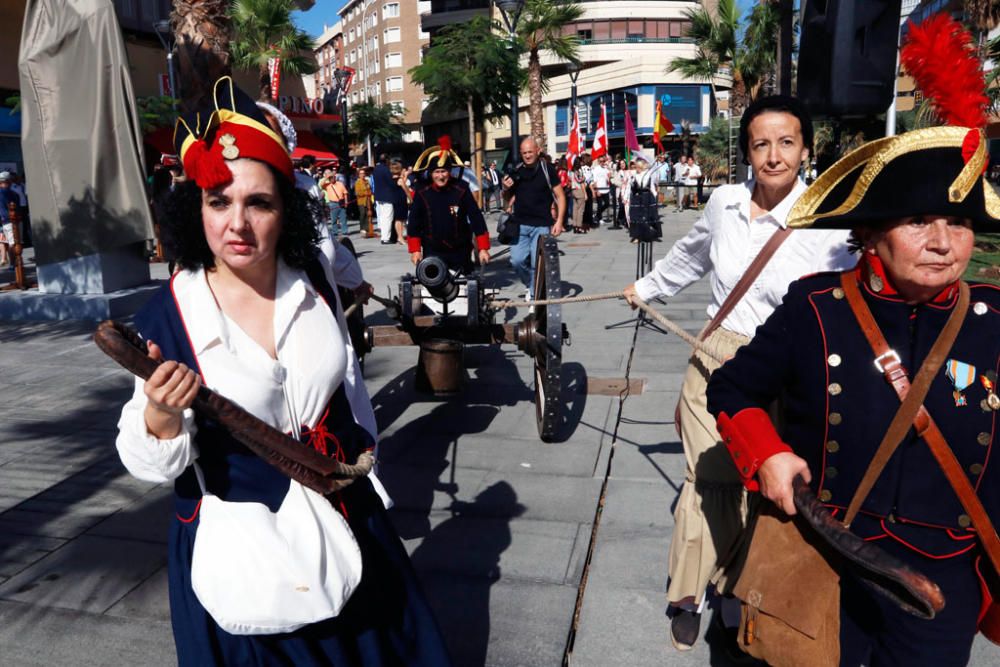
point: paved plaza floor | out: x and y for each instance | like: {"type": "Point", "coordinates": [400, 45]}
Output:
{"type": "Point", "coordinates": [499, 524]}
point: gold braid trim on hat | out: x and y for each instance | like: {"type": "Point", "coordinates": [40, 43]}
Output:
{"type": "Point", "coordinates": [435, 152]}
{"type": "Point", "coordinates": [991, 200]}
{"type": "Point", "coordinates": [962, 186]}
{"type": "Point", "coordinates": [875, 156]}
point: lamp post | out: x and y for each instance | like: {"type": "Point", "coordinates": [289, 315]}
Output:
{"type": "Point", "coordinates": [166, 37]}
{"type": "Point", "coordinates": [364, 53]}
{"type": "Point", "coordinates": [574, 73]}
{"type": "Point", "coordinates": [342, 77]}
{"type": "Point", "coordinates": [511, 12]}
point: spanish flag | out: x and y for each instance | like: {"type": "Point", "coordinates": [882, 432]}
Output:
{"type": "Point", "coordinates": [661, 126]}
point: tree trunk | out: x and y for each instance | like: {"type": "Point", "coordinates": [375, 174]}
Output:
{"type": "Point", "coordinates": [536, 112]}
{"type": "Point", "coordinates": [473, 151]}
{"type": "Point", "coordinates": [265, 85]}
{"type": "Point", "coordinates": [203, 32]}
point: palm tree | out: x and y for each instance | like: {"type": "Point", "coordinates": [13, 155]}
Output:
{"type": "Point", "coordinates": [757, 57]}
{"type": "Point", "coordinates": [715, 43]}
{"type": "Point", "coordinates": [541, 29]}
{"type": "Point", "coordinates": [202, 31]}
{"type": "Point", "coordinates": [263, 29]}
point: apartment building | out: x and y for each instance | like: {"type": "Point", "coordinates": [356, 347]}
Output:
{"type": "Point", "coordinates": [382, 41]}
{"type": "Point", "coordinates": [329, 54]}
{"type": "Point", "coordinates": [624, 48]}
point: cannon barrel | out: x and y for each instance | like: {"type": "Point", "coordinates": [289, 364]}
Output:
{"type": "Point", "coordinates": [434, 275]}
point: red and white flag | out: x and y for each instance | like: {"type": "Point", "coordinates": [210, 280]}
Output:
{"type": "Point", "coordinates": [274, 69]}
{"type": "Point", "coordinates": [575, 146]}
{"type": "Point", "coordinates": [600, 145]}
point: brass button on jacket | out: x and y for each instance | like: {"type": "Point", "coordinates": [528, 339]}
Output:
{"type": "Point", "coordinates": [833, 446]}
{"type": "Point", "coordinates": [831, 472]}
{"type": "Point", "coordinates": [983, 439]}
{"type": "Point", "coordinates": [825, 495]}
{"type": "Point", "coordinates": [976, 468]}
{"type": "Point", "coordinates": [835, 418]}
{"type": "Point", "coordinates": [834, 360]}
{"type": "Point", "coordinates": [964, 521]}
{"type": "Point", "coordinates": [834, 389]}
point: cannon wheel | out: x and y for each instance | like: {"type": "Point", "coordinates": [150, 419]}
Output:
{"type": "Point", "coordinates": [356, 321]}
{"type": "Point", "coordinates": [548, 326]}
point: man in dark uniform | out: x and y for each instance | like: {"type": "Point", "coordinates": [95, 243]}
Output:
{"type": "Point", "coordinates": [444, 219]}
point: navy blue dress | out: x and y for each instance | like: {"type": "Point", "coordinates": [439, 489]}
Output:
{"type": "Point", "coordinates": [387, 620]}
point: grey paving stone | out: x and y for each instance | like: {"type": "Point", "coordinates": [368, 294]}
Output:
{"type": "Point", "coordinates": [504, 623]}
{"type": "Point", "coordinates": [100, 570]}
{"type": "Point", "coordinates": [149, 600]}
{"type": "Point", "coordinates": [639, 503]}
{"type": "Point", "coordinates": [43, 636]}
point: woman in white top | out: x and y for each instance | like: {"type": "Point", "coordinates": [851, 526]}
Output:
{"type": "Point", "coordinates": [254, 315]}
{"type": "Point", "coordinates": [776, 136]}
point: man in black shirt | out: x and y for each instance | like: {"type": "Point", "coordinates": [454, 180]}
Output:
{"type": "Point", "coordinates": [535, 188]}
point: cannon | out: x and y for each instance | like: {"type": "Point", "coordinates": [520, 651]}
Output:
{"type": "Point", "coordinates": [441, 310]}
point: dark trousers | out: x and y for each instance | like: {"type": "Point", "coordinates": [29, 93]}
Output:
{"type": "Point", "coordinates": [877, 633]}
{"type": "Point", "coordinates": [602, 204]}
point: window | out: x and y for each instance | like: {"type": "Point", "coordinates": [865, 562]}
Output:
{"type": "Point", "coordinates": [585, 35]}
{"type": "Point", "coordinates": [393, 60]}
{"type": "Point", "coordinates": [390, 35]}
{"type": "Point", "coordinates": [397, 106]}
{"type": "Point", "coordinates": [394, 84]}
{"type": "Point", "coordinates": [354, 97]}
{"type": "Point", "coordinates": [390, 10]}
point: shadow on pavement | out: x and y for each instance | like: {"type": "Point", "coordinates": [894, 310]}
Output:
{"type": "Point", "coordinates": [462, 604]}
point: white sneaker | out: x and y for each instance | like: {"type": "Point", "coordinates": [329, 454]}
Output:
{"type": "Point", "coordinates": [527, 296]}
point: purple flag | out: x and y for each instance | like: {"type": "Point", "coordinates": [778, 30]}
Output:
{"type": "Point", "coordinates": [631, 141]}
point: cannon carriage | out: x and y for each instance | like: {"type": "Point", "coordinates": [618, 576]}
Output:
{"type": "Point", "coordinates": [440, 311]}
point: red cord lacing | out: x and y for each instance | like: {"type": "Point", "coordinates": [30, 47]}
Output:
{"type": "Point", "coordinates": [317, 438]}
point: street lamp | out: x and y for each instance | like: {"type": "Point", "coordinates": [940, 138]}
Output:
{"type": "Point", "coordinates": [511, 12]}
{"type": "Point", "coordinates": [574, 72]}
{"type": "Point", "coordinates": [342, 77]}
{"type": "Point", "coordinates": [166, 37]}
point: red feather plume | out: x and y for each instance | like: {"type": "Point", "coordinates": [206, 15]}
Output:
{"type": "Point", "coordinates": [941, 56]}
{"type": "Point", "coordinates": [444, 142]}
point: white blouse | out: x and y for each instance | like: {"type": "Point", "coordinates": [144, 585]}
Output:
{"type": "Point", "coordinates": [314, 355]}
{"type": "Point", "coordinates": [725, 240]}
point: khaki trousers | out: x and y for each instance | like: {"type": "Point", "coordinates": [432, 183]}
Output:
{"type": "Point", "coordinates": [711, 511]}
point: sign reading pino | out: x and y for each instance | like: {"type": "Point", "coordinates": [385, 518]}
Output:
{"type": "Point", "coordinates": [306, 107]}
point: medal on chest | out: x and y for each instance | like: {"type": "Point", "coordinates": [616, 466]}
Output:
{"type": "Point", "coordinates": [961, 376]}
{"type": "Point", "coordinates": [454, 211]}
{"type": "Point", "coordinates": [992, 401]}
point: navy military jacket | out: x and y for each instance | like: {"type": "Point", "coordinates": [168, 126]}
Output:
{"type": "Point", "coordinates": [837, 406]}
{"type": "Point", "coordinates": [443, 222]}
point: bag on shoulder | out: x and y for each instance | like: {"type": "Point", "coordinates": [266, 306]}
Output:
{"type": "Point", "coordinates": [259, 572]}
{"type": "Point", "coordinates": [790, 596]}
{"type": "Point", "coordinates": [508, 229]}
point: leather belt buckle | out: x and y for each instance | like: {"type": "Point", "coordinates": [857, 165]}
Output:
{"type": "Point", "coordinates": [884, 359]}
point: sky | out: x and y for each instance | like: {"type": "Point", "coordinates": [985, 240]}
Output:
{"type": "Point", "coordinates": [325, 11]}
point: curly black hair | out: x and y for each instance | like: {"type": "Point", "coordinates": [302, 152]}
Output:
{"type": "Point", "coordinates": [183, 233]}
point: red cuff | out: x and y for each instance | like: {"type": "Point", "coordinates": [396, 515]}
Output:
{"type": "Point", "coordinates": [413, 243]}
{"type": "Point", "coordinates": [483, 242]}
{"type": "Point", "coordinates": [751, 439]}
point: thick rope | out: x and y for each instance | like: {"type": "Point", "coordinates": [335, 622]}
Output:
{"type": "Point", "coordinates": [500, 305]}
{"type": "Point", "coordinates": [642, 305]}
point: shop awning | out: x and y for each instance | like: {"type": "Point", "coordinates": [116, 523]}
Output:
{"type": "Point", "coordinates": [310, 144]}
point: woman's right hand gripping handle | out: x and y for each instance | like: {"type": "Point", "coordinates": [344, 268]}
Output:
{"type": "Point", "coordinates": [170, 390]}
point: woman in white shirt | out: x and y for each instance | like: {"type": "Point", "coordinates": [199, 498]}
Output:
{"type": "Point", "coordinates": [776, 136]}
{"type": "Point", "coordinates": [254, 315]}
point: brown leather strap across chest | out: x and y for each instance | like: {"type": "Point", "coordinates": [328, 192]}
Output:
{"type": "Point", "coordinates": [912, 411]}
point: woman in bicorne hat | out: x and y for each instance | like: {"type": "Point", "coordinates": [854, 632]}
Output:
{"type": "Point", "coordinates": [253, 314]}
{"type": "Point", "coordinates": [913, 203]}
